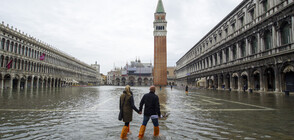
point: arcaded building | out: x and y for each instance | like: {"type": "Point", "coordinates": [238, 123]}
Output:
{"type": "Point", "coordinates": [251, 48]}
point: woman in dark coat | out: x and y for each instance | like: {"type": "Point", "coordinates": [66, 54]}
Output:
{"type": "Point", "coordinates": [127, 106]}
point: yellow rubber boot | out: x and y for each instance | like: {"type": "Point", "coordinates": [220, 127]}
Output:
{"type": "Point", "coordinates": [124, 132]}
{"type": "Point", "coordinates": [156, 130]}
{"type": "Point", "coordinates": [142, 131]}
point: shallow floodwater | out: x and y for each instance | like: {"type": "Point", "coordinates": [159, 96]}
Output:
{"type": "Point", "coordinates": [91, 113]}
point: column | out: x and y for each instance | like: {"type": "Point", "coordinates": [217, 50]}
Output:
{"type": "Point", "coordinates": [11, 82]}
{"type": "Point", "coordinates": [238, 50]}
{"type": "Point", "coordinates": [18, 83]}
{"type": "Point", "coordinates": [240, 86]}
{"type": "Point", "coordinates": [231, 81]}
{"type": "Point", "coordinates": [230, 53]}
{"type": "Point", "coordinates": [258, 43]}
{"type": "Point", "coordinates": [277, 79]}
{"type": "Point", "coordinates": [32, 82]}
{"type": "Point", "coordinates": [261, 79]}
{"type": "Point", "coordinates": [275, 36]}
{"type": "Point", "coordinates": [218, 58]}
{"type": "Point", "coordinates": [26, 84]}
{"type": "Point", "coordinates": [219, 81]}
{"type": "Point", "coordinates": [262, 47]}
{"type": "Point", "coordinates": [224, 56]}
{"type": "Point", "coordinates": [2, 82]}
{"type": "Point", "coordinates": [247, 47]}
{"type": "Point", "coordinates": [249, 78]}
{"type": "Point", "coordinates": [213, 60]}
{"type": "Point", "coordinates": [38, 82]}
{"type": "Point", "coordinates": [53, 82]}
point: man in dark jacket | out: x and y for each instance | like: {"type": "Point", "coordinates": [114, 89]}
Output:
{"type": "Point", "coordinates": [151, 110]}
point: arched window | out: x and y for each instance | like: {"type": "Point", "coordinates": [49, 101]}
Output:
{"type": "Point", "coordinates": [254, 45]}
{"type": "Point", "coordinates": [26, 51]}
{"type": "Point", "coordinates": [227, 54]}
{"type": "Point", "coordinates": [267, 40]}
{"type": "Point", "coordinates": [285, 33]}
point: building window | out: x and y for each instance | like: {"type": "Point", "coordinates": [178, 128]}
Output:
{"type": "Point", "coordinates": [226, 31]}
{"type": "Point", "coordinates": [241, 21]}
{"type": "Point", "coordinates": [285, 33]}
{"type": "Point", "coordinates": [254, 45]}
{"type": "Point", "coordinates": [267, 40]}
{"type": "Point", "coordinates": [234, 52]}
{"type": "Point", "coordinates": [233, 28]}
{"type": "Point", "coordinates": [227, 54]}
{"type": "Point", "coordinates": [243, 49]}
{"type": "Point", "coordinates": [2, 44]}
{"type": "Point", "coordinates": [252, 15]}
{"type": "Point", "coordinates": [265, 5]}
{"type": "Point", "coordinates": [221, 57]}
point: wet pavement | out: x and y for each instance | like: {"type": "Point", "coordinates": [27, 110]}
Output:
{"type": "Point", "coordinates": [91, 113]}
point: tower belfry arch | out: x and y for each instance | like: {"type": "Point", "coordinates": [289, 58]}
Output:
{"type": "Point", "coordinates": [160, 55]}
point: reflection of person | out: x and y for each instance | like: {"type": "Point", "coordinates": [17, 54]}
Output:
{"type": "Point", "coordinates": [151, 110]}
{"type": "Point", "coordinates": [126, 104]}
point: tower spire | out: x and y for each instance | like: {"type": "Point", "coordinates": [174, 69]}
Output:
{"type": "Point", "coordinates": [160, 8]}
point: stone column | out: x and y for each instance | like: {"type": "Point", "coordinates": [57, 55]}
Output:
{"type": "Point", "coordinates": [240, 82]}
{"type": "Point", "coordinates": [238, 50]}
{"type": "Point", "coordinates": [213, 60]}
{"type": "Point", "coordinates": [262, 47]}
{"type": "Point", "coordinates": [219, 81]}
{"type": "Point", "coordinates": [274, 37]}
{"type": "Point", "coordinates": [277, 78]}
{"type": "Point", "coordinates": [261, 79]}
{"type": "Point", "coordinates": [249, 80]}
{"type": "Point", "coordinates": [32, 82]}
{"type": "Point", "coordinates": [11, 82]}
{"type": "Point", "coordinates": [292, 33]}
{"type": "Point", "coordinates": [258, 43]}
{"type": "Point", "coordinates": [37, 84]}
{"type": "Point", "coordinates": [224, 56]}
{"type": "Point", "coordinates": [230, 53]}
{"type": "Point", "coordinates": [2, 82]}
{"type": "Point", "coordinates": [26, 84]}
{"type": "Point", "coordinates": [18, 83]}
{"type": "Point", "coordinates": [218, 58]}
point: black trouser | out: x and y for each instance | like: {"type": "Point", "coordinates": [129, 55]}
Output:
{"type": "Point", "coordinates": [127, 123]}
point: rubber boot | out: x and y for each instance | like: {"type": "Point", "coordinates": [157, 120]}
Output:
{"type": "Point", "coordinates": [129, 129]}
{"type": "Point", "coordinates": [124, 132]}
{"type": "Point", "coordinates": [142, 131]}
{"type": "Point", "coordinates": [156, 130]}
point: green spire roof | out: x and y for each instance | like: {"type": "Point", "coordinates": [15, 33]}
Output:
{"type": "Point", "coordinates": [160, 8]}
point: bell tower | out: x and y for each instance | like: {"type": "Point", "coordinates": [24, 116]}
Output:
{"type": "Point", "coordinates": [160, 55]}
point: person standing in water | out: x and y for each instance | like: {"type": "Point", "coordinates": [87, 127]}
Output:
{"type": "Point", "coordinates": [126, 104]}
{"type": "Point", "coordinates": [187, 89]}
{"type": "Point", "coordinates": [151, 110]}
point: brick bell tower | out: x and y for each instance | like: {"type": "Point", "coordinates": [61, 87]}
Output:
{"type": "Point", "coordinates": [160, 56]}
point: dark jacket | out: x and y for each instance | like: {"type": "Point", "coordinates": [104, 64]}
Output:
{"type": "Point", "coordinates": [127, 107]}
{"type": "Point", "coordinates": [151, 102]}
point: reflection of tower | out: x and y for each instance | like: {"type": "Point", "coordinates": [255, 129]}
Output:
{"type": "Point", "coordinates": [160, 64]}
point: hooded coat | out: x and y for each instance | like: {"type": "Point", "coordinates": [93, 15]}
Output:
{"type": "Point", "coordinates": [127, 105]}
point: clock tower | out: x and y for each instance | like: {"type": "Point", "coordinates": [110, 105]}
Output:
{"type": "Point", "coordinates": [160, 55]}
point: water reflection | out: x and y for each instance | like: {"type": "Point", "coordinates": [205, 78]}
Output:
{"type": "Point", "coordinates": [91, 113]}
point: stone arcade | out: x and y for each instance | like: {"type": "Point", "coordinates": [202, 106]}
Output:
{"type": "Point", "coordinates": [250, 48]}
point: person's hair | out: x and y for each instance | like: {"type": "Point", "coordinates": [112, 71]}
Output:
{"type": "Point", "coordinates": [128, 90]}
{"type": "Point", "coordinates": [152, 88]}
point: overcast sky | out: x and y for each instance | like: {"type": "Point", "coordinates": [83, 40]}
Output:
{"type": "Point", "coordinates": [114, 32]}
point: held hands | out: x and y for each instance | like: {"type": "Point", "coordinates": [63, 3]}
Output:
{"type": "Point", "coordinates": [140, 112]}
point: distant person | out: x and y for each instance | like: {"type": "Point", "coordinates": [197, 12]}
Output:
{"type": "Point", "coordinates": [187, 88]}
{"type": "Point", "coordinates": [160, 87]}
{"type": "Point", "coordinates": [171, 87]}
{"type": "Point", "coordinates": [127, 106]}
{"type": "Point", "coordinates": [151, 110]}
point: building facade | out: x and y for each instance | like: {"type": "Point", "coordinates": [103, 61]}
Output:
{"type": "Point", "coordinates": [27, 62]}
{"type": "Point", "coordinates": [251, 48]}
{"type": "Point", "coordinates": [160, 56]}
{"type": "Point", "coordinates": [133, 74]}
{"type": "Point", "coordinates": [171, 77]}
{"type": "Point", "coordinates": [98, 75]}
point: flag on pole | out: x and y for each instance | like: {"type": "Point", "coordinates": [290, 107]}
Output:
{"type": "Point", "coordinates": [9, 65]}
{"type": "Point", "coordinates": [42, 57]}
